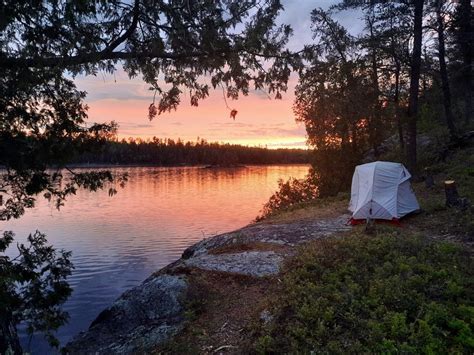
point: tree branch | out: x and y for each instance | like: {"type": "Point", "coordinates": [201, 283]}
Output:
{"type": "Point", "coordinates": [93, 57]}
{"type": "Point", "coordinates": [7, 62]}
{"type": "Point", "coordinates": [114, 44]}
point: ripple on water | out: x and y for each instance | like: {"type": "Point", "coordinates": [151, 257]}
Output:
{"type": "Point", "coordinates": [118, 242]}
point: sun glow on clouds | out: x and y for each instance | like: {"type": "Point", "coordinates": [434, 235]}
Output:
{"type": "Point", "coordinates": [260, 121]}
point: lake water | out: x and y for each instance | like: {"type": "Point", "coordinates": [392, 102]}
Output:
{"type": "Point", "coordinates": [118, 241]}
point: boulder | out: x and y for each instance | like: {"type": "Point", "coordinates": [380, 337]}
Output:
{"type": "Point", "coordinates": [140, 319]}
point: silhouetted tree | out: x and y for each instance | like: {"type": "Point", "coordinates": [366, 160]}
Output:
{"type": "Point", "coordinates": [168, 152]}
{"type": "Point", "coordinates": [334, 101]}
{"type": "Point", "coordinates": [172, 44]}
{"type": "Point", "coordinates": [441, 29]}
{"type": "Point", "coordinates": [462, 30]}
{"type": "Point", "coordinates": [415, 72]}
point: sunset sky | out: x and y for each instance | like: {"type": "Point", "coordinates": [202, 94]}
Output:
{"type": "Point", "coordinates": [260, 120]}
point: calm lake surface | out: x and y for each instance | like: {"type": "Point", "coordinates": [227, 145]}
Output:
{"type": "Point", "coordinates": [117, 242]}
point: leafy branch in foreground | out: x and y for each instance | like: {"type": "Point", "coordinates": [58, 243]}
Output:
{"type": "Point", "coordinates": [32, 289]}
{"type": "Point", "coordinates": [21, 188]}
{"type": "Point", "coordinates": [176, 46]}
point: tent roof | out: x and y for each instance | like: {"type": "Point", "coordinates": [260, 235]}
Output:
{"type": "Point", "coordinates": [386, 168]}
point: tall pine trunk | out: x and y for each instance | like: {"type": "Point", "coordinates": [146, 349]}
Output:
{"type": "Point", "coordinates": [377, 114]}
{"type": "Point", "coordinates": [466, 44]}
{"type": "Point", "coordinates": [414, 85]}
{"type": "Point", "coordinates": [396, 100]}
{"type": "Point", "coordinates": [444, 71]}
{"type": "Point", "coordinates": [396, 97]}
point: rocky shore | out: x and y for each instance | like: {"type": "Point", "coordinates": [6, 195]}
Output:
{"type": "Point", "coordinates": [152, 313]}
{"type": "Point", "coordinates": [207, 301]}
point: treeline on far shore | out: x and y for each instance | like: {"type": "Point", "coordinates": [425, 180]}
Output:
{"type": "Point", "coordinates": [164, 152]}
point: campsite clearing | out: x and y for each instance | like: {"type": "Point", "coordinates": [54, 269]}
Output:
{"type": "Point", "coordinates": [238, 307]}
{"type": "Point", "coordinates": [233, 280]}
{"type": "Point", "coordinates": [247, 301]}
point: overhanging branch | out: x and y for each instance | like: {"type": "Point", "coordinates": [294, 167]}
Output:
{"type": "Point", "coordinates": [95, 57]}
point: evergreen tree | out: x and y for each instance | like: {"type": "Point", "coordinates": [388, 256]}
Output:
{"type": "Point", "coordinates": [171, 44]}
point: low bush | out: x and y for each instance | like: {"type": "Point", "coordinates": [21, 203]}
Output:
{"type": "Point", "coordinates": [330, 174]}
{"type": "Point", "coordinates": [290, 193]}
{"type": "Point", "coordinates": [383, 294]}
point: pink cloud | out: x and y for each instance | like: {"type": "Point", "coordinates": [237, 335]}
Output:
{"type": "Point", "coordinates": [260, 120]}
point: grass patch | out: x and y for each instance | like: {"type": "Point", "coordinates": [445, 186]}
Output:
{"type": "Point", "coordinates": [386, 294]}
{"type": "Point", "coordinates": [315, 209]}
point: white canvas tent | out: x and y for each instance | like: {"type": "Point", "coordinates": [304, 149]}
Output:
{"type": "Point", "coordinates": [381, 190]}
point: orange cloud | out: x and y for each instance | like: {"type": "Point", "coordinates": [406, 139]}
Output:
{"type": "Point", "coordinates": [259, 121]}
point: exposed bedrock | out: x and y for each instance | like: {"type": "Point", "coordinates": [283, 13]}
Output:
{"type": "Point", "coordinates": [151, 313]}
{"type": "Point", "coordinates": [142, 317]}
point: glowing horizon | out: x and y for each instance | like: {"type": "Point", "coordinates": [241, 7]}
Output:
{"type": "Point", "coordinates": [259, 122]}
{"type": "Point", "coordinates": [270, 144]}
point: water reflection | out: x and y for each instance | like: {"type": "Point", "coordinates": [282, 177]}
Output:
{"type": "Point", "coordinates": [118, 241]}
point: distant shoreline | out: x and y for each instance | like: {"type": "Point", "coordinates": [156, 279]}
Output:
{"type": "Point", "coordinates": [204, 166]}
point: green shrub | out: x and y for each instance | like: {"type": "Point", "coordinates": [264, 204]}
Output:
{"type": "Point", "coordinates": [384, 294]}
{"type": "Point", "coordinates": [290, 193]}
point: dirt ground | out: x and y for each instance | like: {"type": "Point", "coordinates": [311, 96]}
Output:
{"type": "Point", "coordinates": [221, 311]}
